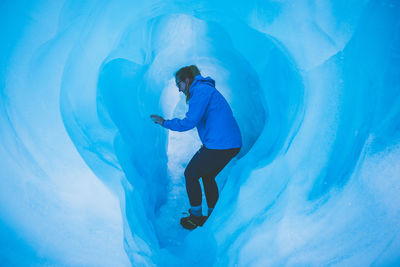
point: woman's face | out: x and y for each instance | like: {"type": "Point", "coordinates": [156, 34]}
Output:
{"type": "Point", "coordinates": [182, 85]}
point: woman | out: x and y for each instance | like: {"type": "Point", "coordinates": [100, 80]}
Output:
{"type": "Point", "coordinates": [219, 133]}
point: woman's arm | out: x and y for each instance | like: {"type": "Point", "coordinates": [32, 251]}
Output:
{"type": "Point", "coordinates": [197, 106]}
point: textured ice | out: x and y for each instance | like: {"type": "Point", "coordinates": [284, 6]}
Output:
{"type": "Point", "coordinates": [88, 180]}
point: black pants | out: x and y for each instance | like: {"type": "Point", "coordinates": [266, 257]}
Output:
{"type": "Point", "coordinates": [206, 163]}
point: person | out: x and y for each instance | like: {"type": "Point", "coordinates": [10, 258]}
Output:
{"type": "Point", "coordinates": [219, 133]}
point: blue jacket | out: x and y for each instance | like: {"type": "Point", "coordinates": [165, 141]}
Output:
{"type": "Point", "coordinates": [210, 113]}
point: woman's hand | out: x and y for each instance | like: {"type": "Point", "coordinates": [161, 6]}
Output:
{"type": "Point", "coordinates": [157, 119]}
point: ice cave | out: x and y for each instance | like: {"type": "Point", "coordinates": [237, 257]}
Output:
{"type": "Point", "coordinates": [87, 179]}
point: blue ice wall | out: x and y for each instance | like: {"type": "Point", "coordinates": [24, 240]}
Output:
{"type": "Point", "coordinates": [88, 180]}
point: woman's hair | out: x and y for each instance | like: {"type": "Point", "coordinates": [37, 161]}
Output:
{"type": "Point", "coordinates": [187, 72]}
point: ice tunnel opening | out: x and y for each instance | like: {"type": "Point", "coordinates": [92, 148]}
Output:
{"type": "Point", "coordinates": [122, 81]}
{"type": "Point", "coordinates": [263, 87]}
{"type": "Point", "coordinates": [266, 99]}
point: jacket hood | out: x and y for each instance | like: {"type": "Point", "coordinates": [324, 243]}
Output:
{"type": "Point", "coordinates": [201, 80]}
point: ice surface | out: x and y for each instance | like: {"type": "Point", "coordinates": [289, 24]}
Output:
{"type": "Point", "coordinates": [87, 179]}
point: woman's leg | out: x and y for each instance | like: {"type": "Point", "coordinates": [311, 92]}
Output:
{"type": "Point", "coordinates": [206, 163]}
{"type": "Point", "coordinates": [219, 159]}
{"type": "Point", "coordinates": [193, 172]}
{"type": "Point", "coordinates": [210, 190]}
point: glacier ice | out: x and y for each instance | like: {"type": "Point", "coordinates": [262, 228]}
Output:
{"type": "Point", "coordinates": [87, 178]}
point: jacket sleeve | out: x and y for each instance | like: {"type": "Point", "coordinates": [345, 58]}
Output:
{"type": "Point", "coordinates": [197, 106]}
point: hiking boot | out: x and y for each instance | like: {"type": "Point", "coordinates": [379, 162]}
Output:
{"type": "Point", "coordinates": [192, 221]}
